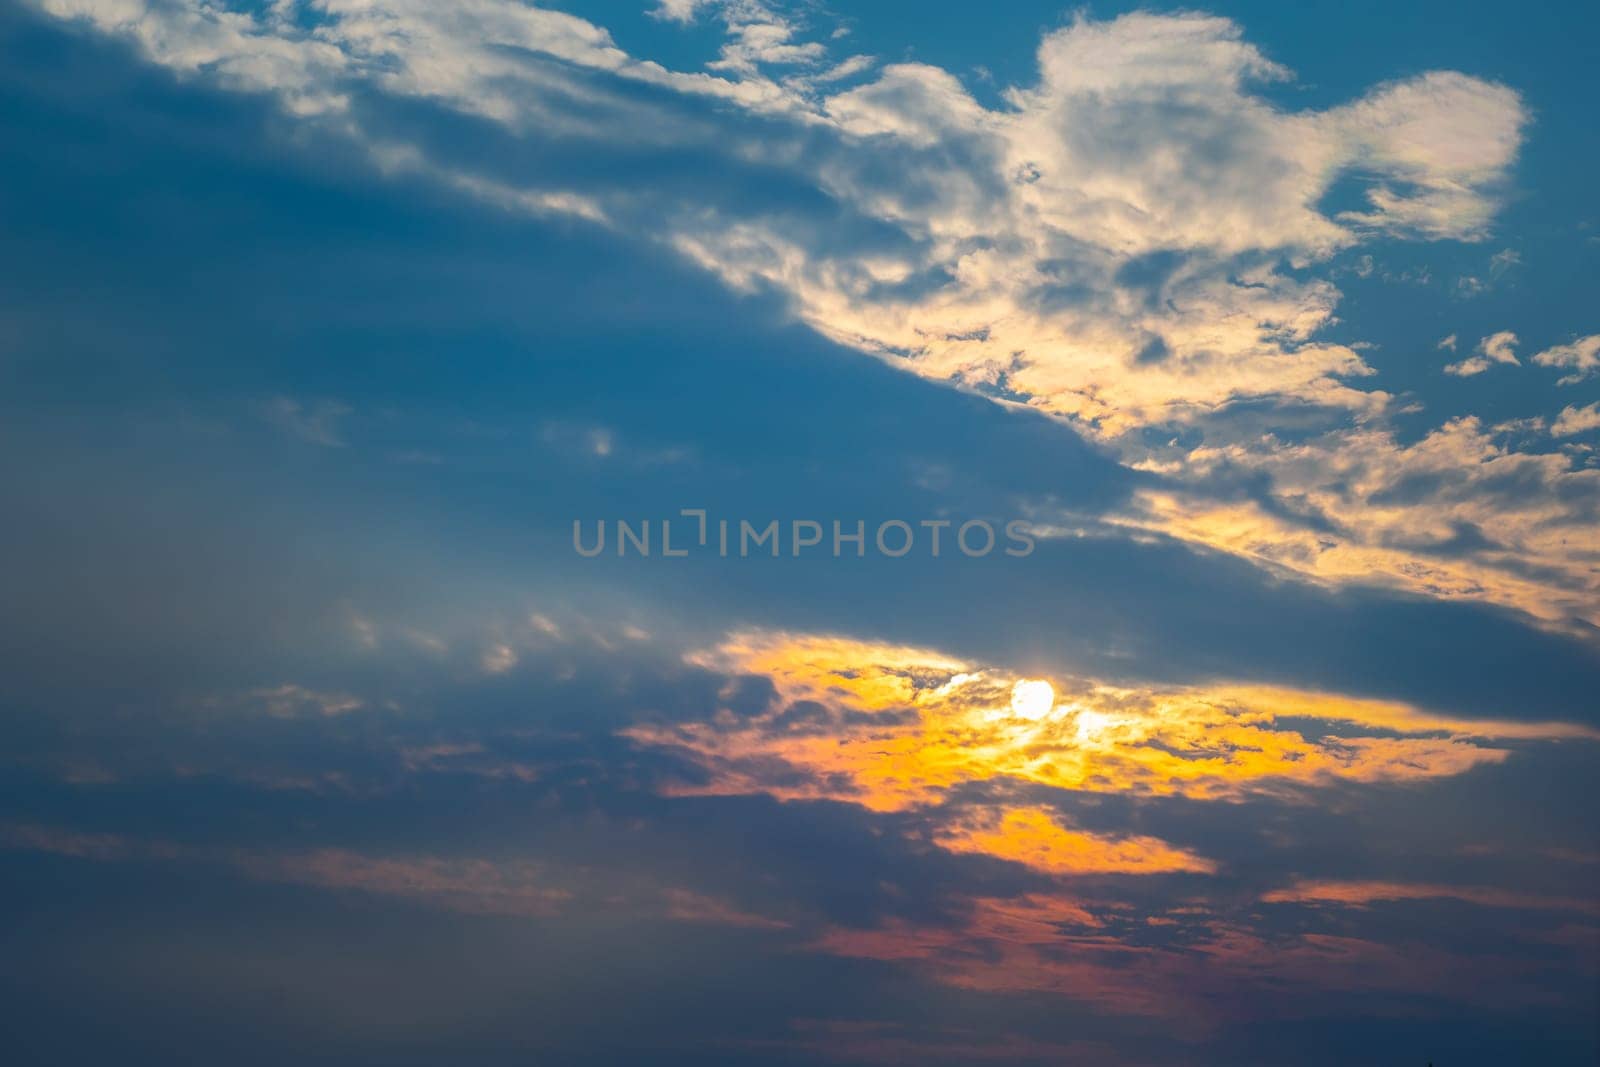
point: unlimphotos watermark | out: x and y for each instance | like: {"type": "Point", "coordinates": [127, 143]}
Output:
{"type": "Point", "coordinates": [699, 534]}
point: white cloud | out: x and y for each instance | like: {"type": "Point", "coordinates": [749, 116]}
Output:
{"type": "Point", "coordinates": [1499, 347]}
{"type": "Point", "coordinates": [1447, 343]}
{"type": "Point", "coordinates": [1582, 357]}
{"type": "Point", "coordinates": [1457, 514]}
{"type": "Point", "coordinates": [1496, 348]}
{"type": "Point", "coordinates": [679, 10]}
{"type": "Point", "coordinates": [1135, 241]}
{"type": "Point", "coordinates": [1575, 420]}
{"type": "Point", "coordinates": [1447, 138]}
{"type": "Point", "coordinates": [1109, 245]}
{"type": "Point", "coordinates": [758, 34]}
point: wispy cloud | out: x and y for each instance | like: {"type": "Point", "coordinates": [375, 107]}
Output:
{"type": "Point", "coordinates": [1581, 357]}
{"type": "Point", "coordinates": [1496, 348]}
{"type": "Point", "coordinates": [1361, 894]}
{"type": "Point", "coordinates": [312, 421]}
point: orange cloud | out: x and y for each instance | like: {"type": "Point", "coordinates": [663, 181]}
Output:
{"type": "Point", "coordinates": [891, 728]}
{"type": "Point", "coordinates": [1224, 970]}
{"type": "Point", "coordinates": [1032, 837]}
{"type": "Point", "coordinates": [1362, 893]}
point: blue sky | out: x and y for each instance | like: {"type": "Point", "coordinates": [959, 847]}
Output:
{"type": "Point", "coordinates": [323, 324]}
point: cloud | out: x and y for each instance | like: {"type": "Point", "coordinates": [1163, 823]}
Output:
{"type": "Point", "coordinates": [1447, 343]}
{"type": "Point", "coordinates": [1447, 136]}
{"type": "Point", "coordinates": [1114, 176]}
{"type": "Point", "coordinates": [1466, 368]}
{"type": "Point", "coordinates": [290, 701]}
{"type": "Point", "coordinates": [1461, 513]}
{"type": "Point", "coordinates": [1496, 348]}
{"type": "Point", "coordinates": [679, 10]}
{"type": "Point", "coordinates": [1035, 838]}
{"type": "Point", "coordinates": [1582, 357]}
{"type": "Point", "coordinates": [1107, 860]}
{"type": "Point", "coordinates": [1502, 261]}
{"type": "Point", "coordinates": [315, 422]}
{"type": "Point", "coordinates": [1574, 420]}
{"type": "Point", "coordinates": [1134, 242]}
{"type": "Point", "coordinates": [1007, 864]}
{"type": "Point", "coordinates": [1038, 945]}
{"type": "Point", "coordinates": [1361, 894]}
{"type": "Point", "coordinates": [900, 729]}
{"type": "Point", "coordinates": [470, 885]}
{"type": "Point", "coordinates": [760, 36]}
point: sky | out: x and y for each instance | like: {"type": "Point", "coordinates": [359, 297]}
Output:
{"type": "Point", "coordinates": [1122, 492]}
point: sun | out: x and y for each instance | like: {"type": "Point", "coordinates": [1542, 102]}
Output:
{"type": "Point", "coordinates": [1032, 699]}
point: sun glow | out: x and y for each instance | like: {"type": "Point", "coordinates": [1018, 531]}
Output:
{"type": "Point", "coordinates": [1091, 725]}
{"type": "Point", "coordinates": [1032, 699]}
{"type": "Point", "coordinates": [899, 729]}
{"type": "Point", "coordinates": [893, 728]}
